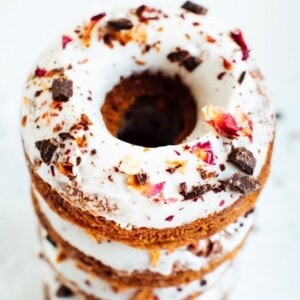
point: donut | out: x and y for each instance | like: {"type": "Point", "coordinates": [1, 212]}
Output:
{"type": "Point", "coordinates": [148, 134]}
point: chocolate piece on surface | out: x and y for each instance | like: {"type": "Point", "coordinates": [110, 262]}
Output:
{"type": "Point", "coordinates": [62, 89]}
{"type": "Point", "coordinates": [141, 178]}
{"type": "Point", "coordinates": [244, 184]}
{"type": "Point", "coordinates": [47, 148]}
{"type": "Point", "coordinates": [120, 24]}
{"type": "Point", "coordinates": [194, 8]}
{"type": "Point", "coordinates": [243, 159]}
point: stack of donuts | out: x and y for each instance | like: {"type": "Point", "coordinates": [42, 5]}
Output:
{"type": "Point", "coordinates": [148, 135]}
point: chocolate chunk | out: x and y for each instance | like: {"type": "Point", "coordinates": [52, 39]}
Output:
{"type": "Point", "coordinates": [47, 148]}
{"type": "Point", "coordinates": [194, 8]}
{"type": "Point", "coordinates": [242, 77]}
{"type": "Point", "coordinates": [243, 159]}
{"type": "Point", "coordinates": [203, 282]}
{"type": "Point", "coordinates": [62, 89]}
{"type": "Point", "coordinates": [178, 56]}
{"type": "Point", "coordinates": [65, 136]}
{"type": "Point", "coordinates": [64, 292]}
{"type": "Point", "coordinates": [191, 63]}
{"type": "Point", "coordinates": [120, 24]}
{"type": "Point", "coordinates": [49, 239]}
{"type": "Point", "coordinates": [183, 189]}
{"type": "Point", "coordinates": [141, 178]}
{"type": "Point", "coordinates": [244, 184]}
{"type": "Point", "coordinates": [197, 192]}
{"type": "Point", "coordinates": [249, 212]}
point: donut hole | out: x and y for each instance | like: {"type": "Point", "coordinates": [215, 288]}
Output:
{"type": "Point", "coordinates": [150, 110]}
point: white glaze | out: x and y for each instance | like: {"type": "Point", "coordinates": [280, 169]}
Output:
{"type": "Point", "coordinates": [101, 289]}
{"type": "Point", "coordinates": [116, 200]}
{"type": "Point", "coordinates": [128, 259]}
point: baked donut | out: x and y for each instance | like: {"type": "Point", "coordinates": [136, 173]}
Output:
{"type": "Point", "coordinates": [135, 194]}
{"type": "Point", "coordinates": [126, 266]}
{"type": "Point", "coordinates": [148, 135]}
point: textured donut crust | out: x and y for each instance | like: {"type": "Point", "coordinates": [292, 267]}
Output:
{"type": "Point", "coordinates": [149, 238]}
{"type": "Point", "coordinates": [134, 279]}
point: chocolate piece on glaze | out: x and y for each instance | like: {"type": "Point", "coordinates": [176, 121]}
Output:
{"type": "Point", "coordinates": [243, 184]}
{"type": "Point", "coordinates": [242, 77]}
{"type": "Point", "coordinates": [141, 178]}
{"type": "Point", "coordinates": [178, 56]}
{"type": "Point", "coordinates": [47, 148]}
{"type": "Point", "coordinates": [49, 239]}
{"type": "Point", "coordinates": [196, 192]}
{"type": "Point", "coordinates": [120, 24]}
{"type": "Point", "coordinates": [64, 292]}
{"type": "Point", "coordinates": [243, 158]}
{"type": "Point", "coordinates": [62, 89]}
{"type": "Point", "coordinates": [194, 8]}
{"type": "Point", "coordinates": [192, 63]}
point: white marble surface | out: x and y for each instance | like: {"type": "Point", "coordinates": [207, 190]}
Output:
{"type": "Point", "coordinates": [270, 267]}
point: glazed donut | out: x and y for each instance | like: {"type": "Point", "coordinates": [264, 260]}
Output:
{"type": "Point", "coordinates": [116, 262]}
{"type": "Point", "coordinates": [188, 185]}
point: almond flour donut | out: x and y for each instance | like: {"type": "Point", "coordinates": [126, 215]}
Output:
{"type": "Point", "coordinates": [148, 126]}
{"type": "Point", "coordinates": [125, 266]}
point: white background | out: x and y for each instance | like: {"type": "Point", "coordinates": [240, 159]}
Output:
{"type": "Point", "coordinates": [270, 267]}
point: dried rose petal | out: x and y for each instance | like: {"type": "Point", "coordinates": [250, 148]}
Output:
{"type": "Point", "coordinates": [65, 40]}
{"type": "Point", "coordinates": [169, 218]}
{"type": "Point", "coordinates": [88, 31]}
{"type": "Point", "coordinates": [40, 72]}
{"type": "Point", "coordinates": [227, 65]}
{"type": "Point", "coordinates": [98, 17]}
{"type": "Point", "coordinates": [204, 152]}
{"type": "Point", "coordinates": [237, 36]}
{"type": "Point", "coordinates": [153, 189]}
{"type": "Point", "coordinates": [226, 124]}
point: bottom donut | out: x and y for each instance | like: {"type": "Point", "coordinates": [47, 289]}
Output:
{"type": "Point", "coordinates": [80, 285]}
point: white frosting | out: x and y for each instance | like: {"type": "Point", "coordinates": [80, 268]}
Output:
{"type": "Point", "coordinates": [92, 285]}
{"type": "Point", "coordinates": [95, 70]}
{"type": "Point", "coordinates": [128, 259]}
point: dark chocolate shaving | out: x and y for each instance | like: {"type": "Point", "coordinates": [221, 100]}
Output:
{"type": "Point", "coordinates": [183, 189]}
{"type": "Point", "coordinates": [120, 24]}
{"type": "Point", "coordinates": [194, 8]}
{"type": "Point", "coordinates": [178, 56]}
{"type": "Point", "coordinates": [184, 58]}
{"type": "Point", "coordinates": [62, 89]}
{"type": "Point", "coordinates": [192, 63]}
{"type": "Point", "coordinates": [249, 212]}
{"type": "Point", "coordinates": [244, 184]}
{"type": "Point", "coordinates": [242, 77]}
{"type": "Point", "coordinates": [64, 292]}
{"type": "Point", "coordinates": [47, 148]}
{"type": "Point", "coordinates": [141, 178]}
{"type": "Point", "coordinates": [50, 240]}
{"type": "Point", "coordinates": [196, 192]}
{"type": "Point", "coordinates": [243, 158]}
{"type": "Point", "coordinates": [65, 136]}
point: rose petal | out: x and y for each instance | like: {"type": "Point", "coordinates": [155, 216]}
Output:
{"type": "Point", "coordinates": [226, 124]}
{"type": "Point", "coordinates": [65, 40]}
{"type": "Point", "coordinates": [154, 189]}
{"type": "Point", "coordinates": [237, 36]}
{"type": "Point", "coordinates": [40, 72]}
{"type": "Point", "coordinates": [204, 152]}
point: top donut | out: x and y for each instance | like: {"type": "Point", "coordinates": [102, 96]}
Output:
{"type": "Point", "coordinates": [215, 171]}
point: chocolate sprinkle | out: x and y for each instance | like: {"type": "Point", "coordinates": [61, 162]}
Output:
{"type": "Point", "coordinates": [47, 148]}
{"type": "Point", "coordinates": [192, 63]}
{"type": "Point", "coordinates": [64, 292]}
{"type": "Point", "coordinates": [120, 24]}
{"type": "Point", "coordinates": [243, 159]}
{"type": "Point", "coordinates": [62, 89]}
{"type": "Point", "coordinates": [141, 178]}
{"type": "Point", "coordinates": [194, 8]}
{"type": "Point", "coordinates": [244, 184]}
{"type": "Point", "coordinates": [242, 77]}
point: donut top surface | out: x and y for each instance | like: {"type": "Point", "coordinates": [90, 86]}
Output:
{"type": "Point", "coordinates": [67, 142]}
